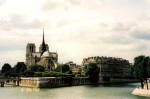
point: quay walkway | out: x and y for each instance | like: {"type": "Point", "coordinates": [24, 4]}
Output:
{"type": "Point", "coordinates": [9, 80]}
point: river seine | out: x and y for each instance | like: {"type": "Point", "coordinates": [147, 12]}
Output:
{"type": "Point", "coordinates": [76, 92]}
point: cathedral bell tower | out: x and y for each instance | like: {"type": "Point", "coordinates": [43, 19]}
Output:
{"type": "Point", "coordinates": [31, 48]}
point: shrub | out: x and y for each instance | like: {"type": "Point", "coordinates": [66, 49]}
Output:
{"type": "Point", "coordinates": [37, 68]}
{"type": "Point", "coordinates": [38, 74]}
{"type": "Point", "coordinates": [28, 73]}
{"type": "Point", "coordinates": [62, 68]}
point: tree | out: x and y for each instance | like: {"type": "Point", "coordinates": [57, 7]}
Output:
{"type": "Point", "coordinates": [20, 68]}
{"type": "Point", "coordinates": [146, 65]}
{"type": "Point", "coordinates": [36, 68]}
{"type": "Point", "coordinates": [13, 72]}
{"type": "Point", "coordinates": [0, 72]}
{"type": "Point", "coordinates": [141, 67]}
{"type": "Point", "coordinates": [132, 71]}
{"type": "Point", "coordinates": [62, 68]}
{"type": "Point", "coordinates": [92, 71]}
{"type": "Point", "coordinates": [6, 68]}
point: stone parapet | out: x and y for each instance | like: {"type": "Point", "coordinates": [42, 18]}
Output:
{"type": "Point", "coordinates": [50, 82]}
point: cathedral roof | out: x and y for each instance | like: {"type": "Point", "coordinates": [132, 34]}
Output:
{"type": "Point", "coordinates": [49, 54]}
{"type": "Point", "coordinates": [46, 54]}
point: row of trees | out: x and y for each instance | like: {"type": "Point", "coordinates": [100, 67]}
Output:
{"type": "Point", "coordinates": [17, 70]}
{"type": "Point", "coordinates": [20, 69]}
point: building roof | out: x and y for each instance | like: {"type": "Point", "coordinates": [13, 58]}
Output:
{"type": "Point", "coordinates": [49, 54]}
{"type": "Point", "coordinates": [46, 54]}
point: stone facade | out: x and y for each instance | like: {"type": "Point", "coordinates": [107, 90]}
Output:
{"type": "Point", "coordinates": [44, 57]}
{"type": "Point", "coordinates": [74, 67]}
{"type": "Point", "coordinates": [109, 66]}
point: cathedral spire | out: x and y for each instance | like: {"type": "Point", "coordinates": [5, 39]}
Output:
{"type": "Point", "coordinates": [43, 43]}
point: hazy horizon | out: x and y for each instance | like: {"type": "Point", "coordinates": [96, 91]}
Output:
{"type": "Point", "coordinates": [75, 29]}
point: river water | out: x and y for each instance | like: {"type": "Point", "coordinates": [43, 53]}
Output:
{"type": "Point", "coordinates": [76, 92]}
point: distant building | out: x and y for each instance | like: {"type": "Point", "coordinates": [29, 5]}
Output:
{"type": "Point", "coordinates": [109, 66]}
{"type": "Point", "coordinates": [44, 57]}
{"type": "Point", "coordinates": [74, 67]}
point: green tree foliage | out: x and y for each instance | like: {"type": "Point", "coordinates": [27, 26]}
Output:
{"type": "Point", "coordinates": [13, 73]}
{"type": "Point", "coordinates": [28, 73]}
{"type": "Point", "coordinates": [6, 68]}
{"type": "Point", "coordinates": [20, 68]}
{"type": "Point", "coordinates": [132, 71]}
{"type": "Point", "coordinates": [0, 72]}
{"type": "Point", "coordinates": [63, 68]}
{"type": "Point", "coordinates": [50, 74]}
{"type": "Point", "coordinates": [141, 68]}
{"type": "Point", "coordinates": [92, 70]}
{"type": "Point", "coordinates": [37, 68]}
{"type": "Point", "coordinates": [69, 72]}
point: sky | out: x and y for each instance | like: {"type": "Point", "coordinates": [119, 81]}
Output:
{"type": "Point", "coordinates": [75, 29]}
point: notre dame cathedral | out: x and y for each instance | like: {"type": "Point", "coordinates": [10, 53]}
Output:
{"type": "Point", "coordinates": [44, 57]}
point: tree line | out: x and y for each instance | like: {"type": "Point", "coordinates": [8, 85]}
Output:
{"type": "Point", "coordinates": [21, 70]}
{"type": "Point", "coordinates": [140, 70]}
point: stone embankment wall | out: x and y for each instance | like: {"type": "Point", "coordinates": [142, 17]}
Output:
{"type": "Point", "coordinates": [118, 80]}
{"type": "Point", "coordinates": [50, 82]}
{"type": "Point", "coordinates": [12, 81]}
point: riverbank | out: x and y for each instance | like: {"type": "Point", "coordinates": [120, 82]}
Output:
{"type": "Point", "coordinates": [141, 92]}
{"type": "Point", "coordinates": [53, 82]}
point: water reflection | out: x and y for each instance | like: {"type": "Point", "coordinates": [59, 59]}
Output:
{"type": "Point", "coordinates": [25, 89]}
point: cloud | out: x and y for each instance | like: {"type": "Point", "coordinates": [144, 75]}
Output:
{"type": "Point", "coordinates": [11, 47]}
{"type": "Point", "coordinates": [142, 47]}
{"type": "Point", "coordinates": [147, 1]}
{"type": "Point", "coordinates": [67, 5]}
{"type": "Point", "coordinates": [54, 4]}
{"type": "Point", "coordinates": [76, 28]}
{"type": "Point", "coordinates": [75, 2]}
{"type": "Point", "coordinates": [143, 35]}
{"type": "Point", "coordinates": [12, 57]}
{"type": "Point", "coordinates": [16, 21]}
{"type": "Point", "coordinates": [2, 2]}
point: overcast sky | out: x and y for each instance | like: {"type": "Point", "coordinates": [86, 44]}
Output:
{"type": "Point", "coordinates": [75, 29]}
